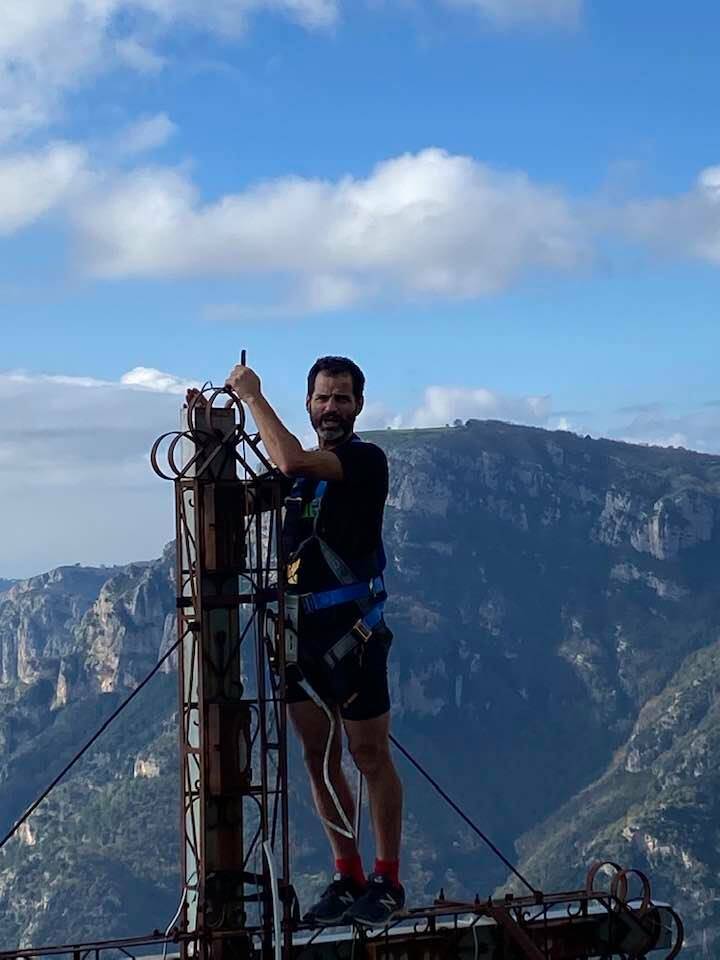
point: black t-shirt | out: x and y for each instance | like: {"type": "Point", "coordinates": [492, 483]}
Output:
{"type": "Point", "coordinates": [350, 521]}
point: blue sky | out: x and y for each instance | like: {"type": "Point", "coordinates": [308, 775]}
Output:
{"type": "Point", "coordinates": [504, 208]}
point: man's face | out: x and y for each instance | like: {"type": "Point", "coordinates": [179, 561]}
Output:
{"type": "Point", "coordinates": [333, 408]}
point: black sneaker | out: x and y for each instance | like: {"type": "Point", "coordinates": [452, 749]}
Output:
{"type": "Point", "coordinates": [381, 903]}
{"type": "Point", "coordinates": [335, 902]}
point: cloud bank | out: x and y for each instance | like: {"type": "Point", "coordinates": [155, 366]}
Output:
{"type": "Point", "coordinates": [445, 404]}
{"type": "Point", "coordinates": [424, 225]}
{"type": "Point", "coordinates": [75, 462]}
{"type": "Point", "coordinates": [75, 465]}
{"type": "Point", "coordinates": [687, 224]}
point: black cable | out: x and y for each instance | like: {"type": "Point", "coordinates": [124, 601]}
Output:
{"type": "Point", "coordinates": [460, 813]}
{"type": "Point", "coordinates": [36, 803]}
{"type": "Point", "coordinates": [51, 786]}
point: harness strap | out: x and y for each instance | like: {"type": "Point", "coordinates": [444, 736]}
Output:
{"type": "Point", "coordinates": [365, 595]}
{"type": "Point", "coordinates": [359, 633]}
{"type": "Point", "coordinates": [353, 591]}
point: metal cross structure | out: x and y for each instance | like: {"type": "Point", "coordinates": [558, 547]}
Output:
{"type": "Point", "coordinates": [231, 671]}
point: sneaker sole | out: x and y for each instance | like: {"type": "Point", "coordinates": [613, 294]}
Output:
{"type": "Point", "coordinates": [325, 921]}
{"type": "Point", "coordinates": [375, 924]}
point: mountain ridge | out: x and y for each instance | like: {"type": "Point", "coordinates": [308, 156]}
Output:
{"type": "Point", "coordinates": [550, 595]}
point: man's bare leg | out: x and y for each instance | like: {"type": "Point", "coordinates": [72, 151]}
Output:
{"type": "Point", "coordinates": [370, 748]}
{"type": "Point", "coordinates": [312, 728]}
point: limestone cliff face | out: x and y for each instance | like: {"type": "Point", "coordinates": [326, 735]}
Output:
{"type": "Point", "coordinates": [533, 480]}
{"type": "Point", "coordinates": [656, 806]}
{"type": "Point", "coordinates": [542, 584]}
{"type": "Point", "coordinates": [86, 629]}
{"type": "Point", "coordinates": [517, 543]}
{"type": "Point", "coordinates": [663, 528]}
{"type": "Point", "coordinates": [556, 619]}
{"type": "Point", "coordinates": [123, 631]}
{"type": "Point", "coordinates": [38, 620]}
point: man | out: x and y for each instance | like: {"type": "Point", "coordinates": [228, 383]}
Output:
{"type": "Point", "coordinates": [333, 532]}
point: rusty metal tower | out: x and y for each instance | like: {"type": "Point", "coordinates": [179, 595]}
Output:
{"type": "Point", "coordinates": [231, 668]}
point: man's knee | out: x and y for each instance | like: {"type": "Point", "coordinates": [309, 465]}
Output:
{"type": "Point", "coordinates": [370, 757]}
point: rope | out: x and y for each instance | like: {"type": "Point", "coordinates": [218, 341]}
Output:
{"type": "Point", "coordinates": [36, 803]}
{"type": "Point", "coordinates": [460, 813]}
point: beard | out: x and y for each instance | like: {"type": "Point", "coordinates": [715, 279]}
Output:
{"type": "Point", "coordinates": [332, 428]}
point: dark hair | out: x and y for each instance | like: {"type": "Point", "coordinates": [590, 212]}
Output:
{"type": "Point", "coordinates": [335, 366]}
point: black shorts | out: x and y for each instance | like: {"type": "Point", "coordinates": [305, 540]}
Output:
{"type": "Point", "coordinates": [373, 696]}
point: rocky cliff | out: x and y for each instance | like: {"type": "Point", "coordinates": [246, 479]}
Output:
{"type": "Point", "coordinates": [555, 662]}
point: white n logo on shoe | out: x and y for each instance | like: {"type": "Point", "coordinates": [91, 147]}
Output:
{"type": "Point", "coordinates": [388, 902]}
{"type": "Point", "coordinates": [347, 898]}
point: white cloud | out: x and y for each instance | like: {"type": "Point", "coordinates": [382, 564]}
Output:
{"type": "Point", "coordinates": [444, 404]}
{"type": "Point", "coordinates": [687, 224]}
{"type": "Point", "coordinates": [146, 134]}
{"type": "Point", "coordinates": [143, 378]}
{"type": "Point", "coordinates": [695, 429]}
{"type": "Point", "coordinates": [75, 462]}
{"type": "Point", "coordinates": [151, 379]}
{"type": "Point", "coordinates": [135, 55]}
{"type": "Point", "coordinates": [31, 184]}
{"type": "Point", "coordinates": [376, 415]}
{"type": "Point", "coordinates": [424, 226]}
{"type": "Point", "coordinates": [45, 48]}
{"type": "Point", "coordinates": [507, 13]}
{"type": "Point", "coordinates": [49, 47]}
{"type": "Point", "coordinates": [75, 457]}
{"type": "Point", "coordinates": [421, 225]}
{"type": "Point", "coordinates": [75, 466]}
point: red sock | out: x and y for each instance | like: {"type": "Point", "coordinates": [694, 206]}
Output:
{"type": "Point", "coordinates": [389, 869]}
{"type": "Point", "coordinates": [351, 867]}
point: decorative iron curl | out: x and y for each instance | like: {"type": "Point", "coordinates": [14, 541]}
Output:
{"type": "Point", "coordinates": [619, 888]}
{"type": "Point", "coordinates": [530, 914]}
{"type": "Point", "coordinates": [208, 441]}
{"type": "Point", "coordinates": [575, 908]}
{"type": "Point", "coordinates": [593, 872]}
{"type": "Point", "coordinates": [679, 934]}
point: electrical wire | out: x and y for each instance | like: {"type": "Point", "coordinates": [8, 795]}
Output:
{"type": "Point", "coordinates": [431, 780]}
{"type": "Point", "coordinates": [36, 803]}
{"type": "Point", "coordinates": [346, 830]}
{"type": "Point", "coordinates": [353, 834]}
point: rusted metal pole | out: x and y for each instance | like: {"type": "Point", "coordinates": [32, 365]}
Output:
{"type": "Point", "coordinates": [231, 670]}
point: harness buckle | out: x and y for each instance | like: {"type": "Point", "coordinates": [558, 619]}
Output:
{"type": "Point", "coordinates": [360, 629]}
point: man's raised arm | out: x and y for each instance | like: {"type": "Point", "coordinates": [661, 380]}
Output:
{"type": "Point", "coordinates": [284, 448]}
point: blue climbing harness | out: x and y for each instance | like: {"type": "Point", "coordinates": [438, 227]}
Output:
{"type": "Point", "coordinates": [369, 595]}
